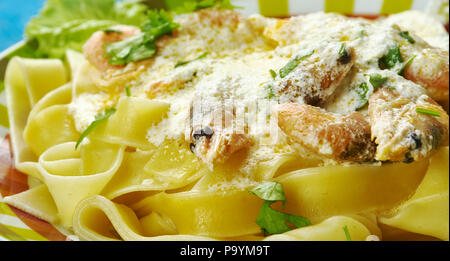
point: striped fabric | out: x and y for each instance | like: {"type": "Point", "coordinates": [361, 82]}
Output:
{"type": "Point", "coordinates": [292, 7]}
{"type": "Point", "coordinates": [13, 228]}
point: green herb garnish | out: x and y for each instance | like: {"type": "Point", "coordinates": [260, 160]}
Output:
{"type": "Point", "coordinates": [405, 34]}
{"type": "Point", "coordinates": [428, 112]}
{"type": "Point", "coordinates": [128, 91]}
{"type": "Point", "coordinates": [271, 93]}
{"type": "Point", "coordinates": [141, 46]}
{"type": "Point", "coordinates": [377, 80]}
{"type": "Point", "coordinates": [362, 34]}
{"type": "Point", "coordinates": [272, 221]}
{"type": "Point", "coordinates": [347, 234]}
{"type": "Point", "coordinates": [389, 60]}
{"type": "Point", "coordinates": [181, 63]}
{"type": "Point", "coordinates": [406, 64]}
{"type": "Point", "coordinates": [362, 92]}
{"type": "Point", "coordinates": [273, 74]}
{"type": "Point", "coordinates": [293, 63]}
{"type": "Point", "coordinates": [98, 119]}
{"type": "Point", "coordinates": [342, 49]}
{"type": "Point", "coordinates": [110, 31]}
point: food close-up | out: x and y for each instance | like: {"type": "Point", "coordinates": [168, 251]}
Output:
{"type": "Point", "coordinates": [227, 120]}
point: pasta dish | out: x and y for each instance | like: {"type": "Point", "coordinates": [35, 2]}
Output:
{"type": "Point", "coordinates": [205, 124]}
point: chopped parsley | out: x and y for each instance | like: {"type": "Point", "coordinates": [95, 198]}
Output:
{"type": "Point", "coordinates": [272, 221]}
{"type": "Point", "coordinates": [141, 46]}
{"type": "Point", "coordinates": [128, 91]}
{"type": "Point", "coordinates": [181, 63]}
{"type": "Point", "coordinates": [392, 57]}
{"type": "Point", "coordinates": [293, 63]}
{"type": "Point", "coordinates": [428, 112]}
{"type": "Point", "coordinates": [362, 92]}
{"type": "Point", "coordinates": [377, 80]}
{"type": "Point", "coordinates": [405, 34]}
{"type": "Point", "coordinates": [98, 119]}
{"type": "Point", "coordinates": [273, 74]}
{"type": "Point", "coordinates": [270, 92]}
{"type": "Point", "coordinates": [347, 234]}
{"type": "Point", "coordinates": [406, 64]}
{"type": "Point", "coordinates": [342, 49]}
{"type": "Point", "coordinates": [362, 34]}
{"type": "Point", "coordinates": [110, 31]}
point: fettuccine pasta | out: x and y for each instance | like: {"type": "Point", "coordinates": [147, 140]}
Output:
{"type": "Point", "coordinates": [122, 152]}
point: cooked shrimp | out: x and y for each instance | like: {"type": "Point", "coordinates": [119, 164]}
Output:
{"type": "Point", "coordinates": [317, 75]}
{"type": "Point", "coordinates": [430, 69]}
{"type": "Point", "coordinates": [94, 48]}
{"type": "Point", "coordinates": [327, 134]}
{"type": "Point", "coordinates": [400, 131]}
{"type": "Point", "coordinates": [214, 138]}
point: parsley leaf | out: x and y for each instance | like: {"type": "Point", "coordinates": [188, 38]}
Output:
{"type": "Point", "coordinates": [272, 221]}
{"type": "Point", "coordinates": [405, 34]}
{"type": "Point", "coordinates": [362, 92]}
{"type": "Point", "coordinates": [389, 60]}
{"type": "Point", "coordinates": [269, 190]}
{"type": "Point", "coordinates": [428, 112]}
{"type": "Point", "coordinates": [273, 74]}
{"type": "Point", "coordinates": [271, 93]}
{"type": "Point", "coordinates": [128, 91]}
{"type": "Point", "coordinates": [406, 64]}
{"type": "Point", "coordinates": [293, 63]}
{"type": "Point", "coordinates": [347, 234]}
{"type": "Point", "coordinates": [181, 63]}
{"type": "Point", "coordinates": [377, 80]}
{"type": "Point", "coordinates": [342, 49]}
{"type": "Point", "coordinates": [141, 46]}
{"type": "Point", "coordinates": [98, 119]}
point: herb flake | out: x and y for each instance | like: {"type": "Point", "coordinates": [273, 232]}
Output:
{"type": "Point", "coordinates": [392, 57]}
{"type": "Point", "coordinates": [347, 234]}
{"type": "Point", "coordinates": [181, 63]}
{"type": "Point", "coordinates": [273, 74]}
{"type": "Point", "coordinates": [141, 46]}
{"type": "Point", "coordinates": [428, 112]}
{"type": "Point", "coordinates": [362, 92]}
{"type": "Point", "coordinates": [98, 119]}
{"type": "Point", "coordinates": [293, 63]}
{"type": "Point", "coordinates": [405, 34]}
{"type": "Point", "coordinates": [406, 64]}
{"type": "Point", "coordinates": [377, 80]}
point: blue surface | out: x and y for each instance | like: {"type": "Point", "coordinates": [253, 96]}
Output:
{"type": "Point", "coordinates": [14, 15]}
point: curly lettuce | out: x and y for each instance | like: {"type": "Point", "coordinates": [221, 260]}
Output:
{"type": "Point", "coordinates": [68, 24]}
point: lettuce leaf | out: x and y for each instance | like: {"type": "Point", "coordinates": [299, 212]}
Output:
{"type": "Point", "coordinates": [64, 24]}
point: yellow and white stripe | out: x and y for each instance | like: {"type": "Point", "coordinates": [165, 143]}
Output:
{"type": "Point", "coordinates": [293, 7]}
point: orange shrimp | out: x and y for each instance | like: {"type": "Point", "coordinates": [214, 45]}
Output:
{"type": "Point", "coordinates": [400, 131]}
{"type": "Point", "coordinates": [317, 76]}
{"type": "Point", "coordinates": [430, 69]}
{"type": "Point", "coordinates": [325, 133]}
